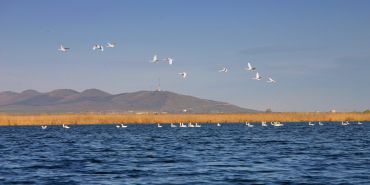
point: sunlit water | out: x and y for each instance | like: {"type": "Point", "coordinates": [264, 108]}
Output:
{"type": "Point", "coordinates": [144, 154]}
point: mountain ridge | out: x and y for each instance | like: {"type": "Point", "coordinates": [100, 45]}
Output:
{"type": "Point", "coordinates": [95, 100]}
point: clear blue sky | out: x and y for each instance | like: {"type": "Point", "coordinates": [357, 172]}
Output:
{"type": "Point", "coordinates": [317, 50]}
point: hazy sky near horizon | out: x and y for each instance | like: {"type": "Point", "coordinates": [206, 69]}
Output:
{"type": "Point", "coordinates": [317, 50]}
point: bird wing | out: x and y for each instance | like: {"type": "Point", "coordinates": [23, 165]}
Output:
{"type": "Point", "coordinates": [249, 66]}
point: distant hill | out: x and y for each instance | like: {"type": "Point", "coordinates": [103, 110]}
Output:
{"type": "Point", "coordinates": [94, 100]}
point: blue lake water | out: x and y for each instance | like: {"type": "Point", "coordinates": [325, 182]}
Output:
{"type": "Point", "coordinates": [144, 154]}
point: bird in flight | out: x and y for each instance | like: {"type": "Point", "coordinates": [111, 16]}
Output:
{"type": "Point", "coordinates": [110, 45]}
{"type": "Point", "coordinates": [250, 68]}
{"type": "Point", "coordinates": [183, 74]}
{"type": "Point", "coordinates": [63, 49]}
{"type": "Point", "coordinates": [270, 80]}
{"type": "Point", "coordinates": [169, 61]}
{"type": "Point", "coordinates": [98, 46]}
{"type": "Point", "coordinates": [224, 69]}
{"type": "Point", "coordinates": [258, 77]}
{"type": "Point", "coordinates": [154, 59]}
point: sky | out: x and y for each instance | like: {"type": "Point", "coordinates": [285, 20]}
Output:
{"type": "Point", "coordinates": [318, 51]}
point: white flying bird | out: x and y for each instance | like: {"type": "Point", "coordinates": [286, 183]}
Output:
{"type": "Point", "coordinates": [169, 61]}
{"type": "Point", "coordinates": [63, 49]}
{"type": "Point", "coordinates": [225, 70]}
{"type": "Point", "coordinates": [258, 77]}
{"type": "Point", "coordinates": [155, 59]}
{"type": "Point", "coordinates": [97, 46]}
{"type": "Point", "coordinates": [183, 74]}
{"type": "Point", "coordinates": [110, 45]}
{"type": "Point", "coordinates": [250, 68]}
{"type": "Point", "coordinates": [270, 80]}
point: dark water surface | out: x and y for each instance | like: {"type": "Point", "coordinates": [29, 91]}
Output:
{"type": "Point", "coordinates": [144, 154]}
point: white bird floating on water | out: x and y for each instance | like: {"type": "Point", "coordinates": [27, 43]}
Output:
{"type": "Point", "coordinates": [190, 125]}
{"type": "Point", "coordinates": [182, 125]}
{"type": "Point", "coordinates": [66, 126]}
{"type": "Point", "coordinates": [277, 124]}
{"type": "Point", "coordinates": [345, 123]}
{"type": "Point", "coordinates": [270, 80]}
{"type": "Point", "coordinates": [169, 61]}
{"type": "Point", "coordinates": [44, 127]}
{"type": "Point", "coordinates": [110, 45]}
{"type": "Point", "coordinates": [359, 123]}
{"type": "Point", "coordinates": [183, 74]}
{"type": "Point", "coordinates": [311, 124]}
{"type": "Point", "coordinates": [159, 126]}
{"type": "Point", "coordinates": [258, 77]}
{"type": "Point", "coordinates": [218, 124]}
{"type": "Point", "coordinates": [263, 123]}
{"type": "Point", "coordinates": [321, 124]}
{"type": "Point", "coordinates": [198, 126]}
{"type": "Point", "coordinates": [154, 59]}
{"type": "Point", "coordinates": [250, 68]}
{"type": "Point", "coordinates": [123, 126]}
{"type": "Point", "coordinates": [98, 46]}
{"type": "Point", "coordinates": [248, 124]}
{"type": "Point", "coordinates": [224, 69]}
{"type": "Point", "coordinates": [63, 49]}
{"type": "Point", "coordinates": [173, 126]}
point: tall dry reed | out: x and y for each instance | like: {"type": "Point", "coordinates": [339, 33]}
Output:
{"type": "Point", "coordinates": [90, 118]}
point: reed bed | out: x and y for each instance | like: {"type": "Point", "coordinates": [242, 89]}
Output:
{"type": "Point", "coordinates": [96, 118]}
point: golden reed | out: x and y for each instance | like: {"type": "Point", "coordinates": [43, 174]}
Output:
{"type": "Point", "coordinates": [96, 118]}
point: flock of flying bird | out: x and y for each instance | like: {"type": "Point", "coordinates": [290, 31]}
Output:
{"type": "Point", "coordinates": [156, 60]}
{"type": "Point", "coordinates": [95, 47]}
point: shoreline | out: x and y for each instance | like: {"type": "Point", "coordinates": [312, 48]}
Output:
{"type": "Point", "coordinates": [105, 118]}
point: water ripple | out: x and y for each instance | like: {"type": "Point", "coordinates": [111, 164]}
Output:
{"type": "Point", "coordinates": [145, 154]}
